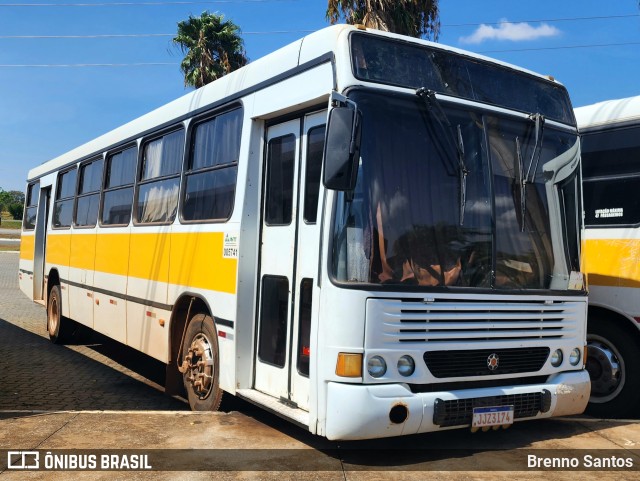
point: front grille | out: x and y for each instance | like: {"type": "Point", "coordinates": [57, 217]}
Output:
{"type": "Point", "coordinates": [464, 363]}
{"type": "Point", "coordinates": [459, 412]}
{"type": "Point", "coordinates": [458, 319]}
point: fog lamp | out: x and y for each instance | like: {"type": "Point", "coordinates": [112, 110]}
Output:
{"type": "Point", "coordinates": [574, 357]}
{"type": "Point", "coordinates": [556, 358]}
{"type": "Point", "coordinates": [376, 366]}
{"type": "Point", "coordinates": [406, 366]}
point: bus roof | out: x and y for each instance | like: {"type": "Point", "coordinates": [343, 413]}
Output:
{"type": "Point", "coordinates": [608, 113]}
{"type": "Point", "coordinates": [287, 58]}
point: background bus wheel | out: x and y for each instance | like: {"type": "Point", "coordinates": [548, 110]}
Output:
{"type": "Point", "coordinates": [60, 328]}
{"type": "Point", "coordinates": [613, 362]}
{"type": "Point", "coordinates": [200, 358]}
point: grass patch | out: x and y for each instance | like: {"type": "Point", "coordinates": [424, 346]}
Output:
{"type": "Point", "coordinates": [15, 248]}
{"type": "Point", "coordinates": [11, 224]}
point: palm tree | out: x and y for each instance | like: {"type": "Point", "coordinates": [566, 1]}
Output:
{"type": "Point", "coordinates": [212, 47]}
{"type": "Point", "coordinates": [416, 18]}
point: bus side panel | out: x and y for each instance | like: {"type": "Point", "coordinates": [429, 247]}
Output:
{"type": "Point", "coordinates": [111, 268]}
{"type": "Point", "coordinates": [81, 263]}
{"type": "Point", "coordinates": [25, 276]}
{"type": "Point", "coordinates": [147, 280]}
{"type": "Point", "coordinates": [58, 257]}
{"type": "Point", "coordinates": [200, 267]}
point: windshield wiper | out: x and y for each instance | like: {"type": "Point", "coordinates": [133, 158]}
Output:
{"type": "Point", "coordinates": [522, 184]}
{"type": "Point", "coordinates": [530, 176]}
{"type": "Point", "coordinates": [537, 147]}
{"type": "Point", "coordinates": [433, 105]}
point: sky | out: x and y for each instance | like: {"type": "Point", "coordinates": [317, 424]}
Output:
{"type": "Point", "coordinates": [117, 61]}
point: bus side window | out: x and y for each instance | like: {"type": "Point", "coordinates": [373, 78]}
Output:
{"type": "Point", "coordinates": [610, 187]}
{"type": "Point", "coordinates": [315, 147]}
{"type": "Point", "coordinates": [279, 192]}
{"type": "Point", "coordinates": [65, 192]}
{"type": "Point", "coordinates": [33, 193]}
{"type": "Point", "coordinates": [88, 199]}
{"type": "Point", "coordinates": [157, 200]}
{"type": "Point", "coordinates": [118, 187]}
{"type": "Point", "coordinates": [212, 168]}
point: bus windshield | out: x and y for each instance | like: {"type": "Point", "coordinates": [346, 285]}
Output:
{"type": "Point", "coordinates": [394, 62]}
{"type": "Point", "coordinates": [406, 222]}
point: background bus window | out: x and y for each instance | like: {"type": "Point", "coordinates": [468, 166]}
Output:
{"type": "Point", "coordinates": [611, 171]}
{"type": "Point", "coordinates": [118, 187]}
{"type": "Point", "coordinates": [315, 148]}
{"type": "Point", "coordinates": [33, 193]}
{"type": "Point", "coordinates": [279, 198]}
{"type": "Point", "coordinates": [88, 199]}
{"type": "Point", "coordinates": [612, 201]}
{"type": "Point", "coordinates": [212, 168]}
{"type": "Point", "coordinates": [160, 179]}
{"type": "Point", "coordinates": [65, 191]}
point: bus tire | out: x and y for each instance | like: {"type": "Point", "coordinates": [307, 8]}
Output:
{"type": "Point", "coordinates": [201, 364]}
{"type": "Point", "coordinates": [60, 328]}
{"type": "Point", "coordinates": [613, 362]}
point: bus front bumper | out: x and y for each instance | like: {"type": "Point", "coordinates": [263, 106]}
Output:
{"type": "Point", "coordinates": [356, 411]}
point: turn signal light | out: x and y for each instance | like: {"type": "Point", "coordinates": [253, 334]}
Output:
{"type": "Point", "coordinates": [349, 365]}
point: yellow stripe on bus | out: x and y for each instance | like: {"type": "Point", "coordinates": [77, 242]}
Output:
{"type": "Point", "coordinates": [187, 259]}
{"type": "Point", "coordinates": [27, 246]}
{"type": "Point", "coordinates": [612, 262]}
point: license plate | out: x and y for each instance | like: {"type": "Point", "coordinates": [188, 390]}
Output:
{"type": "Point", "coordinates": [492, 416]}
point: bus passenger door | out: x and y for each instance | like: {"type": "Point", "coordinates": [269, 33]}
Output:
{"type": "Point", "coordinates": [289, 258]}
{"type": "Point", "coordinates": [40, 244]}
{"type": "Point", "coordinates": [277, 256]}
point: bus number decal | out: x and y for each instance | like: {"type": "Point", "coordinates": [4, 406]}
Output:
{"type": "Point", "coordinates": [230, 246]}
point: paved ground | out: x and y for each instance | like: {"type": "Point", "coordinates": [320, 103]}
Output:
{"type": "Point", "coordinates": [37, 375]}
{"type": "Point", "coordinates": [89, 400]}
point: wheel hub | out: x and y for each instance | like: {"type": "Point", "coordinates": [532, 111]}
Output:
{"type": "Point", "coordinates": [53, 316]}
{"type": "Point", "coordinates": [199, 363]}
{"type": "Point", "coordinates": [605, 370]}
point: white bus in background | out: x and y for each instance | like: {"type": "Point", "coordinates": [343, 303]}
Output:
{"type": "Point", "coordinates": [610, 134]}
{"type": "Point", "coordinates": [367, 234]}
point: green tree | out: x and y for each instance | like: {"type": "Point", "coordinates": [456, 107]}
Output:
{"type": "Point", "coordinates": [415, 18]}
{"type": "Point", "coordinates": [12, 201]}
{"type": "Point", "coordinates": [212, 47]}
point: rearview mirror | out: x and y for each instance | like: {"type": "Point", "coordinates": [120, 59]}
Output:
{"type": "Point", "coordinates": [341, 149]}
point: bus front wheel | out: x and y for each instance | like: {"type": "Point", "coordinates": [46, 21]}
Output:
{"type": "Point", "coordinates": [200, 365]}
{"type": "Point", "coordinates": [613, 362]}
{"type": "Point", "coordinates": [60, 328]}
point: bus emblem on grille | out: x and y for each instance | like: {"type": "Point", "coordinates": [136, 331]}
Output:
{"type": "Point", "coordinates": [492, 361]}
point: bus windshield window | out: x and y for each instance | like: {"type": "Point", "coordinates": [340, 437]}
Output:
{"type": "Point", "coordinates": [399, 63]}
{"type": "Point", "coordinates": [402, 224]}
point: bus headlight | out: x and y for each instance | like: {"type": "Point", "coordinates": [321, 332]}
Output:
{"type": "Point", "coordinates": [406, 366]}
{"type": "Point", "coordinates": [556, 358]}
{"type": "Point", "coordinates": [376, 366]}
{"type": "Point", "coordinates": [574, 357]}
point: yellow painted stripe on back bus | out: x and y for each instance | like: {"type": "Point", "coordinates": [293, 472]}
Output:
{"type": "Point", "coordinates": [612, 262]}
{"type": "Point", "coordinates": [188, 259]}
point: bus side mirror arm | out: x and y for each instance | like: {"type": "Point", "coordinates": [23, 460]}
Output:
{"type": "Point", "coordinates": [341, 148]}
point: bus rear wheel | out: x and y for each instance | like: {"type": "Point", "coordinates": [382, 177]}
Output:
{"type": "Point", "coordinates": [200, 364]}
{"type": "Point", "coordinates": [60, 328]}
{"type": "Point", "coordinates": [613, 362]}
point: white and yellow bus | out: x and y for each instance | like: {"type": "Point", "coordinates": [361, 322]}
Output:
{"type": "Point", "coordinates": [610, 134]}
{"type": "Point", "coordinates": [367, 234]}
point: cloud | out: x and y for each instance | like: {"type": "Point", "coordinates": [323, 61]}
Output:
{"type": "Point", "coordinates": [514, 32]}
